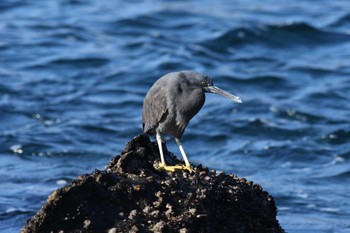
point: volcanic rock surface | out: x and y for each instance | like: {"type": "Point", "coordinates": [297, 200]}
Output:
{"type": "Point", "coordinates": [131, 195]}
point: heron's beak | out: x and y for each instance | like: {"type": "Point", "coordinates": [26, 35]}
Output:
{"type": "Point", "coordinates": [216, 90]}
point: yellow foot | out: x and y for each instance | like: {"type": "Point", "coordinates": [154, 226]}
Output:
{"type": "Point", "coordinates": [175, 168]}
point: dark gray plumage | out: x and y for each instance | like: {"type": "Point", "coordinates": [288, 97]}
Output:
{"type": "Point", "coordinates": [171, 103]}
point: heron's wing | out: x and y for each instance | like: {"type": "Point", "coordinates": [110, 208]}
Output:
{"type": "Point", "coordinates": [154, 111]}
{"type": "Point", "coordinates": [149, 129]}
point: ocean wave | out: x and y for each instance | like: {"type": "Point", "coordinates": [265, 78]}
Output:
{"type": "Point", "coordinates": [337, 137]}
{"type": "Point", "coordinates": [342, 176]}
{"type": "Point", "coordinates": [139, 24]}
{"type": "Point", "coordinates": [5, 91]}
{"type": "Point", "coordinates": [318, 70]}
{"type": "Point", "coordinates": [179, 20]}
{"type": "Point", "coordinates": [343, 21]}
{"type": "Point", "coordinates": [9, 5]}
{"type": "Point", "coordinates": [339, 176]}
{"type": "Point", "coordinates": [328, 96]}
{"type": "Point", "coordinates": [268, 81]}
{"type": "Point", "coordinates": [285, 35]}
{"type": "Point", "coordinates": [68, 61]}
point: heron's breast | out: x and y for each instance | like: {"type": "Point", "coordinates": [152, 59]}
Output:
{"type": "Point", "coordinates": [192, 104]}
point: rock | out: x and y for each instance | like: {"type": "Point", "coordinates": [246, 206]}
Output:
{"type": "Point", "coordinates": [112, 230]}
{"type": "Point", "coordinates": [131, 195]}
{"type": "Point", "coordinates": [158, 227]}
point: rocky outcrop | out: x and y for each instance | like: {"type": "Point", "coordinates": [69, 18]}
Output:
{"type": "Point", "coordinates": [131, 195]}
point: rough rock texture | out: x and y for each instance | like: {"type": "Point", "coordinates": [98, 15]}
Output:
{"type": "Point", "coordinates": [130, 195]}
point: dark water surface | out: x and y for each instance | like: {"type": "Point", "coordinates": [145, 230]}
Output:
{"type": "Point", "coordinates": [74, 74]}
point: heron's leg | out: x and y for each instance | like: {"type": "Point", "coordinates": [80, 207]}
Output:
{"type": "Point", "coordinates": [162, 161]}
{"type": "Point", "coordinates": [187, 163]}
{"type": "Point", "coordinates": [159, 142]}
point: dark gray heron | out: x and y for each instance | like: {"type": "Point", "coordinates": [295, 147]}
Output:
{"type": "Point", "coordinates": [171, 103]}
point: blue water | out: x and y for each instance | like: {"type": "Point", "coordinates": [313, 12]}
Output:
{"type": "Point", "coordinates": [74, 74]}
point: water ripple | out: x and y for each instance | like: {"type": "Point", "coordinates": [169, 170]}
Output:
{"type": "Point", "coordinates": [276, 36]}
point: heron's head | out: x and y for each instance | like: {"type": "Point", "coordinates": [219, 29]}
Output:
{"type": "Point", "coordinates": [208, 86]}
{"type": "Point", "coordinates": [197, 80]}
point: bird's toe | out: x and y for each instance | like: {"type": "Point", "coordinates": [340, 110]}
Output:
{"type": "Point", "coordinates": [175, 168]}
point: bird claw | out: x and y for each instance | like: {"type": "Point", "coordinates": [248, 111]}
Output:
{"type": "Point", "coordinates": [175, 168]}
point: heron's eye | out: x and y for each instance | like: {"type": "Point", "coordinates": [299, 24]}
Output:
{"type": "Point", "coordinates": [204, 83]}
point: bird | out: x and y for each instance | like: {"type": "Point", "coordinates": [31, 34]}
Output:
{"type": "Point", "coordinates": [171, 103]}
